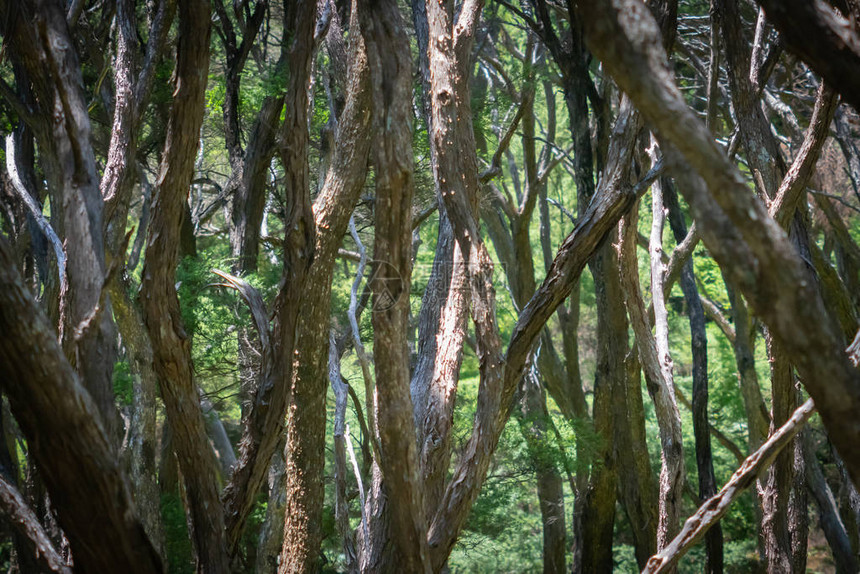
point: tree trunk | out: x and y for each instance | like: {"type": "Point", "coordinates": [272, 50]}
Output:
{"type": "Point", "coordinates": [47, 399]}
{"type": "Point", "coordinates": [736, 229]}
{"type": "Point", "coordinates": [170, 342]}
{"type": "Point", "coordinates": [390, 70]}
{"type": "Point", "coordinates": [699, 346]}
{"type": "Point", "coordinates": [305, 458]}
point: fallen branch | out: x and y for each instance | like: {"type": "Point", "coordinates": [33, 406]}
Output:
{"type": "Point", "coordinates": [716, 507]}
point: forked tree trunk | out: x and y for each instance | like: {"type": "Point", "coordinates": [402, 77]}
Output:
{"type": "Point", "coordinates": [305, 454]}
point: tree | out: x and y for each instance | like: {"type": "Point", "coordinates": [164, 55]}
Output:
{"type": "Point", "coordinates": [448, 231]}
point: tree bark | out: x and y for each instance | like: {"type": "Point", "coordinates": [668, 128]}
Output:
{"type": "Point", "coordinates": [306, 423]}
{"type": "Point", "coordinates": [736, 229]}
{"type": "Point", "coordinates": [823, 38]}
{"type": "Point", "coordinates": [390, 71]}
{"type": "Point", "coordinates": [699, 346]}
{"type": "Point", "coordinates": [657, 367]}
{"type": "Point", "coordinates": [716, 507]}
{"type": "Point", "coordinates": [80, 469]}
{"type": "Point", "coordinates": [170, 342]}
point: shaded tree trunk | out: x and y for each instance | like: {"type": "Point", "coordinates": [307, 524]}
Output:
{"type": "Point", "coordinates": [699, 346]}
{"type": "Point", "coordinates": [170, 342]}
{"type": "Point", "coordinates": [47, 399]}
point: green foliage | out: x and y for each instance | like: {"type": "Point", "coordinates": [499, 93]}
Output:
{"type": "Point", "coordinates": [180, 558]}
{"type": "Point", "coordinates": [123, 384]}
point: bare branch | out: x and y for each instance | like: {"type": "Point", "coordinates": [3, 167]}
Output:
{"type": "Point", "coordinates": [716, 507]}
{"type": "Point", "coordinates": [254, 301]}
{"type": "Point", "coordinates": [25, 521]}
{"type": "Point", "coordinates": [35, 210]}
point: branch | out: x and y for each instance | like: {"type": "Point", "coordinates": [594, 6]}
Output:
{"type": "Point", "coordinates": [835, 197]}
{"type": "Point", "coordinates": [784, 204]}
{"type": "Point", "coordinates": [341, 512]}
{"type": "Point", "coordinates": [827, 42]}
{"type": "Point", "coordinates": [495, 164]}
{"type": "Point", "coordinates": [680, 256]}
{"type": "Point", "coordinates": [35, 211]}
{"type": "Point", "coordinates": [255, 304]}
{"type": "Point", "coordinates": [24, 520]}
{"type": "Point", "coordinates": [363, 359]}
{"type": "Point", "coordinates": [716, 507]}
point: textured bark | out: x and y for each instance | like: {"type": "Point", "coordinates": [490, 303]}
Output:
{"type": "Point", "coordinates": [341, 504]}
{"type": "Point", "coordinates": [307, 417]}
{"type": "Point", "coordinates": [768, 168]}
{"type": "Point", "coordinates": [80, 469]}
{"type": "Point", "coordinates": [736, 229]}
{"type": "Point", "coordinates": [596, 510]}
{"type": "Point", "coordinates": [264, 422]}
{"type": "Point", "coordinates": [534, 420]}
{"type": "Point", "coordinates": [86, 330]}
{"type": "Point", "coordinates": [657, 367]}
{"type": "Point", "coordinates": [758, 418]}
{"type": "Point", "coordinates": [441, 321]}
{"type": "Point", "coordinates": [794, 183]}
{"type": "Point", "coordinates": [142, 438]}
{"type": "Point", "coordinates": [613, 198]}
{"type": "Point", "coordinates": [134, 70]}
{"type": "Point", "coordinates": [170, 343]}
{"type": "Point", "coordinates": [390, 71]}
{"type": "Point", "coordinates": [518, 261]}
{"type": "Point", "coordinates": [27, 526]}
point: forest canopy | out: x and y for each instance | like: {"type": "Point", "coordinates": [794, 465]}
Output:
{"type": "Point", "coordinates": [443, 286]}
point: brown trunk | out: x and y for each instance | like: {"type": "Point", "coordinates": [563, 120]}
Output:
{"type": "Point", "coordinates": [305, 458]}
{"type": "Point", "coordinates": [87, 331]}
{"type": "Point", "coordinates": [81, 471]}
{"type": "Point", "coordinates": [637, 486]}
{"type": "Point", "coordinates": [735, 228]}
{"type": "Point", "coordinates": [390, 70]}
{"type": "Point", "coordinates": [170, 342]}
{"type": "Point", "coordinates": [534, 424]}
{"type": "Point", "coordinates": [143, 441]}
{"type": "Point", "coordinates": [596, 509]}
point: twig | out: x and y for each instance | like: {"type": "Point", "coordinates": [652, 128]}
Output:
{"type": "Point", "coordinates": [351, 451]}
{"type": "Point", "coordinates": [835, 197]}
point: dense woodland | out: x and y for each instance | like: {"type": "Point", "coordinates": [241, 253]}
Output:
{"type": "Point", "coordinates": [455, 286]}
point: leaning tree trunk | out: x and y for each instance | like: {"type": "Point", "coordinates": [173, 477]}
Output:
{"type": "Point", "coordinates": [80, 469]}
{"type": "Point", "coordinates": [736, 228]}
{"type": "Point", "coordinates": [170, 342]}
